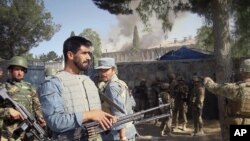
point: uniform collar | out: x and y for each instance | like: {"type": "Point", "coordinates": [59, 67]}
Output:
{"type": "Point", "coordinates": [114, 77]}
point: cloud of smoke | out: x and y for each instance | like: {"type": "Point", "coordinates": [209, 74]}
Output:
{"type": "Point", "coordinates": [121, 35]}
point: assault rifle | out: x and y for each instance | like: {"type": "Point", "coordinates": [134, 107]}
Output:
{"type": "Point", "coordinates": [29, 125]}
{"type": "Point", "coordinates": [92, 129]}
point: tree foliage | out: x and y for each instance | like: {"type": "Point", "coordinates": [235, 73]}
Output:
{"type": "Point", "coordinates": [50, 56]}
{"type": "Point", "coordinates": [204, 38]}
{"type": "Point", "coordinates": [241, 33]}
{"type": "Point", "coordinates": [93, 36]}
{"type": "Point", "coordinates": [136, 40]}
{"type": "Point", "coordinates": [72, 33]}
{"type": "Point", "coordinates": [114, 6]}
{"type": "Point", "coordinates": [135, 47]}
{"type": "Point", "coordinates": [23, 24]}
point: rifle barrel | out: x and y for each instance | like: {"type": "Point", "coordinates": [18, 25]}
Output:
{"type": "Point", "coordinates": [95, 127]}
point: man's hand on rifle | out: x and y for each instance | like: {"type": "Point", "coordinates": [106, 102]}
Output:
{"type": "Point", "coordinates": [104, 119]}
{"type": "Point", "coordinates": [42, 122]}
{"type": "Point", "coordinates": [14, 114]}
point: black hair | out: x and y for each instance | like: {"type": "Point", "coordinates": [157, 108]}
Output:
{"type": "Point", "coordinates": [73, 44]}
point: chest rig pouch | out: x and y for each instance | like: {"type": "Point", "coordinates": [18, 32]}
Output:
{"type": "Point", "coordinates": [245, 99]}
{"type": "Point", "coordinates": [241, 106]}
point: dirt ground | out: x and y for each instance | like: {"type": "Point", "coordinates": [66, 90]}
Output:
{"type": "Point", "coordinates": [151, 132]}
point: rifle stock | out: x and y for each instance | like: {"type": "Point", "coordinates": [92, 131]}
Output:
{"type": "Point", "coordinates": [93, 128]}
{"type": "Point", "coordinates": [29, 124]}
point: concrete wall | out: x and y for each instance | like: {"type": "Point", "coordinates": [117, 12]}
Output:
{"type": "Point", "coordinates": [142, 55]}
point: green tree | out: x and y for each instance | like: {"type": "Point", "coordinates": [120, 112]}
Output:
{"type": "Point", "coordinates": [136, 46]}
{"type": "Point", "coordinates": [43, 57]}
{"type": "Point", "coordinates": [72, 33]}
{"type": "Point", "coordinates": [93, 36]}
{"type": "Point", "coordinates": [204, 38]}
{"type": "Point", "coordinates": [241, 33]}
{"type": "Point", "coordinates": [23, 24]}
{"type": "Point", "coordinates": [136, 40]}
{"type": "Point", "coordinates": [28, 56]}
{"type": "Point", "coordinates": [59, 58]}
{"type": "Point", "coordinates": [51, 56]}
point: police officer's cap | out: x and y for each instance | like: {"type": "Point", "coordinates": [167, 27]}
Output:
{"type": "Point", "coordinates": [106, 63]}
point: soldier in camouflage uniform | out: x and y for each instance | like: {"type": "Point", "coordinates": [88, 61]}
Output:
{"type": "Point", "coordinates": [237, 95]}
{"type": "Point", "coordinates": [22, 92]}
{"type": "Point", "coordinates": [172, 82]}
{"type": "Point", "coordinates": [141, 95]}
{"type": "Point", "coordinates": [153, 93]}
{"type": "Point", "coordinates": [165, 98]}
{"type": "Point", "coordinates": [197, 98]}
{"type": "Point", "coordinates": [180, 102]}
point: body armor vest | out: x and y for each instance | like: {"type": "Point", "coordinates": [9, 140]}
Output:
{"type": "Point", "coordinates": [22, 93]}
{"type": "Point", "coordinates": [77, 92]}
{"type": "Point", "coordinates": [241, 106]}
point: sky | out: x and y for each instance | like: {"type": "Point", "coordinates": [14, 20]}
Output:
{"type": "Point", "coordinates": [116, 32]}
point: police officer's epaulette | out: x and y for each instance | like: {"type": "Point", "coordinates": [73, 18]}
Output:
{"type": "Point", "coordinates": [120, 83]}
{"type": "Point", "coordinates": [49, 79]}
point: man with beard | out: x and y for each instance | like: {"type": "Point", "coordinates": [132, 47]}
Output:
{"type": "Point", "coordinates": [70, 99]}
{"type": "Point", "coordinates": [22, 92]}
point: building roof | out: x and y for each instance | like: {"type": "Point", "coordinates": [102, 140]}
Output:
{"type": "Point", "coordinates": [184, 53]}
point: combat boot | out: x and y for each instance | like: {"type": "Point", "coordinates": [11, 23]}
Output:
{"type": "Point", "coordinates": [201, 132]}
{"type": "Point", "coordinates": [184, 128]}
{"type": "Point", "coordinates": [176, 127]}
{"type": "Point", "coordinates": [162, 133]}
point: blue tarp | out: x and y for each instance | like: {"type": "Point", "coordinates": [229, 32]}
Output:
{"type": "Point", "coordinates": [184, 53]}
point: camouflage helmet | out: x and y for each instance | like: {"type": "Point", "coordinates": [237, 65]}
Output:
{"type": "Point", "coordinates": [143, 81]}
{"type": "Point", "coordinates": [171, 76]}
{"type": "Point", "coordinates": [50, 71]}
{"type": "Point", "coordinates": [245, 66]}
{"type": "Point", "coordinates": [18, 61]}
{"type": "Point", "coordinates": [164, 86]}
{"type": "Point", "coordinates": [195, 78]}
